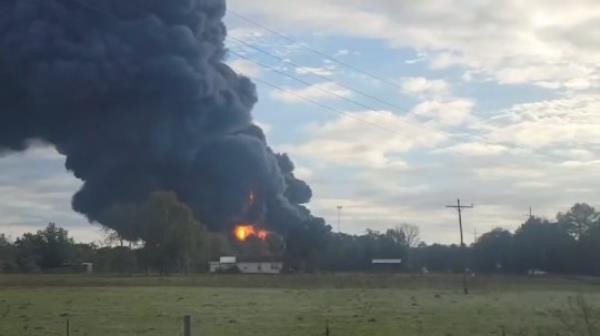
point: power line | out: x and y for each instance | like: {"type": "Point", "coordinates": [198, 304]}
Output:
{"type": "Point", "coordinates": [108, 14]}
{"type": "Point", "coordinates": [315, 51]}
{"type": "Point", "coordinates": [298, 66]}
{"type": "Point", "coordinates": [323, 106]}
{"type": "Point", "coordinates": [320, 53]}
{"type": "Point", "coordinates": [352, 101]}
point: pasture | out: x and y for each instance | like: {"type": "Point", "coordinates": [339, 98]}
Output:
{"type": "Point", "coordinates": [299, 305]}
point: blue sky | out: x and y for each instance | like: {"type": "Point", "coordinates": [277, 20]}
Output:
{"type": "Point", "coordinates": [493, 102]}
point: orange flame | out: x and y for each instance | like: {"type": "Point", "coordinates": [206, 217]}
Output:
{"type": "Point", "coordinates": [243, 232]}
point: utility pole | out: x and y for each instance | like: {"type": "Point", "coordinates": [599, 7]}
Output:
{"type": "Point", "coordinates": [339, 218]}
{"type": "Point", "coordinates": [530, 215]}
{"type": "Point", "coordinates": [459, 207]}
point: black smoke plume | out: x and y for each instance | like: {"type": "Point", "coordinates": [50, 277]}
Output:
{"type": "Point", "coordinates": [136, 95]}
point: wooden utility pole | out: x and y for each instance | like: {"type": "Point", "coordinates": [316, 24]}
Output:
{"type": "Point", "coordinates": [459, 207]}
{"type": "Point", "coordinates": [187, 325]}
{"type": "Point", "coordinates": [530, 213]}
{"type": "Point", "coordinates": [339, 218]}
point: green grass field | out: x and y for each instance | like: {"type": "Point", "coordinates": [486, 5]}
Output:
{"type": "Point", "coordinates": [288, 305]}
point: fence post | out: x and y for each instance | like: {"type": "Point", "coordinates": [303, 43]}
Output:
{"type": "Point", "coordinates": [68, 328]}
{"type": "Point", "coordinates": [187, 325]}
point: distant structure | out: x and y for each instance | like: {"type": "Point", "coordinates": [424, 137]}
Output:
{"type": "Point", "coordinates": [88, 267]}
{"type": "Point", "coordinates": [460, 207]}
{"type": "Point", "coordinates": [339, 218]}
{"type": "Point", "coordinates": [231, 264]}
{"type": "Point", "coordinates": [81, 268]}
{"type": "Point", "coordinates": [536, 272]}
{"type": "Point", "coordinates": [386, 264]}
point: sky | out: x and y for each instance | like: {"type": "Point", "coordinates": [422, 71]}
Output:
{"type": "Point", "coordinates": [394, 109]}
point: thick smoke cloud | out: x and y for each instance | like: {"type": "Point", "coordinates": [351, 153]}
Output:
{"type": "Point", "coordinates": [136, 95]}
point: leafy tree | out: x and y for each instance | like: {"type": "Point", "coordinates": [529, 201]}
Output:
{"type": "Point", "coordinates": [170, 232]}
{"type": "Point", "coordinates": [46, 249]}
{"type": "Point", "coordinates": [117, 259]}
{"type": "Point", "coordinates": [579, 219]}
{"type": "Point", "coordinates": [84, 253]}
{"type": "Point", "coordinates": [589, 251]}
{"type": "Point", "coordinates": [493, 251]}
{"type": "Point", "coordinates": [544, 245]}
{"type": "Point", "coordinates": [8, 262]}
{"type": "Point", "coordinates": [345, 252]}
{"type": "Point", "coordinates": [439, 258]}
{"type": "Point", "coordinates": [304, 245]}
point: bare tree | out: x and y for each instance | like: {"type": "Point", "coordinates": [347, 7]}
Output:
{"type": "Point", "coordinates": [411, 233]}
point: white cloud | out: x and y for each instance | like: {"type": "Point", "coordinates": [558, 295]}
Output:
{"type": "Point", "coordinates": [445, 112]}
{"type": "Point", "coordinates": [319, 71]}
{"type": "Point", "coordinates": [533, 185]}
{"type": "Point", "coordinates": [246, 33]}
{"type": "Point", "coordinates": [36, 152]}
{"type": "Point", "coordinates": [509, 171]}
{"type": "Point", "coordinates": [580, 164]}
{"type": "Point", "coordinates": [316, 92]}
{"type": "Point", "coordinates": [547, 43]}
{"type": "Point", "coordinates": [475, 149]}
{"type": "Point", "coordinates": [420, 86]}
{"type": "Point", "coordinates": [264, 126]}
{"type": "Point", "coordinates": [420, 57]}
{"type": "Point", "coordinates": [372, 138]}
{"type": "Point", "coordinates": [571, 121]}
{"type": "Point", "coordinates": [36, 189]}
{"type": "Point", "coordinates": [576, 153]}
{"type": "Point", "coordinates": [246, 68]}
{"type": "Point", "coordinates": [303, 173]}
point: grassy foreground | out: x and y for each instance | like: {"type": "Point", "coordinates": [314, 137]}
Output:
{"type": "Point", "coordinates": [288, 305]}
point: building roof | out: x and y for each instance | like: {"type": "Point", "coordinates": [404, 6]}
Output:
{"type": "Point", "coordinates": [386, 261]}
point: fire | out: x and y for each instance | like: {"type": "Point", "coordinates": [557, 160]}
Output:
{"type": "Point", "coordinates": [243, 232]}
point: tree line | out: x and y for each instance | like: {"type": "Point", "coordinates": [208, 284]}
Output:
{"type": "Point", "coordinates": [170, 240]}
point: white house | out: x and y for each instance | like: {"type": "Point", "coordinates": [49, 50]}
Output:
{"type": "Point", "coordinates": [250, 267]}
{"type": "Point", "coordinates": [260, 267]}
